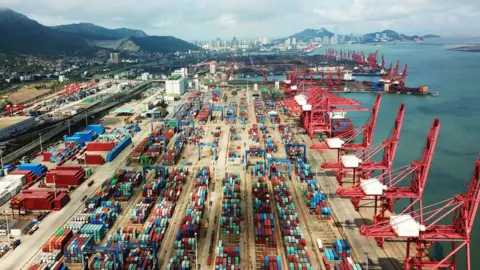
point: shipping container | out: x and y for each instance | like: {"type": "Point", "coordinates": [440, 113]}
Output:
{"type": "Point", "coordinates": [293, 236]}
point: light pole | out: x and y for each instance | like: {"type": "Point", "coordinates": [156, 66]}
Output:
{"type": "Point", "coordinates": [8, 229]}
{"type": "Point", "coordinates": [68, 124]}
{"type": "Point", "coordinates": [41, 146]}
{"type": "Point", "coordinates": [1, 158]}
{"type": "Point", "coordinates": [196, 252]}
{"type": "Point", "coordinates": [328, 192]}
{"type": "Point", "coordinates": [366, 263]}
{"type": "Point", "coordinates": [55, 185]}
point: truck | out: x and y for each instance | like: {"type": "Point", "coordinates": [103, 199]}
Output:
{"type": "Point", "coordinates": [15, 243]}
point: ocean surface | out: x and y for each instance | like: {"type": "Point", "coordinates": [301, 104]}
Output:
{"type": "Point", "coordinates": [456, 76]}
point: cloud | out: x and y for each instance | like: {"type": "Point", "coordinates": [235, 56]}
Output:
{"type": "Point", "coordinates": [208, 19]}
{"type": "Point", "coordinates": [162, 24]}
{"type": "Point", "coordinates": [225, 20]}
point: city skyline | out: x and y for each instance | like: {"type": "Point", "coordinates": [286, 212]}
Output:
{"type": "Point", "coordinates": [248, 19]}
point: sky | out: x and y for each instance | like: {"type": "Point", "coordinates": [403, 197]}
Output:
{"type": "Point", "coordinates": [209, 19]}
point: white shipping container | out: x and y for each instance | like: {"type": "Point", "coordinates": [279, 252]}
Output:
{"type": "Point", "coordinates": [4, 198]}
{"type": "Point", "coordinates": [320, 244]}
{"type": "Point", "coordinates": [16, 178]}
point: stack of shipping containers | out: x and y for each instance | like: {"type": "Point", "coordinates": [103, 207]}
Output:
{"type": "Point", "coordinates": [293, 236]}
{"type": "Point", "coordinates": [264, 226]}
{"type": "Point", "coordinates": [228, 249]}
{"type": "Point", "coordinates": [185, 246]}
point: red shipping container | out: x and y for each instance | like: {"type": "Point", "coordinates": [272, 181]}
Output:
{"type": "Point", "coordinates": [34, 200]}
{"type": "Point", "coordinates": [61, 200]}
{"type": "Point", "coordinates": [94, 159]}
{"type": "Point", "coordinates": [64, 177]}
{"type": "Point", "coordinates": [47, 156]}
{"type": "Point", "coordinates": [100, 146]}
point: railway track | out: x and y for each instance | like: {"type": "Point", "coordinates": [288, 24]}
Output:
{"type": "Point", "coordinates": [62, 126]}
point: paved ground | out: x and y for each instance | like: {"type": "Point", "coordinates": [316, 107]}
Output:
{"type": "Point", "coordinates": [313, 227]}
{"type": "Point", "coordinates": [21, 257]}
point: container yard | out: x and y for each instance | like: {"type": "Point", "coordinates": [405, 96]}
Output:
{"type": "Point", "coordinates": [230, 179]}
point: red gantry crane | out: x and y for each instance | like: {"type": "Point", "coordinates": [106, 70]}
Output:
{"type": "Point", "coordinates": [428, 225]}
{"type": "Point", "coordinates": [320, 107]}
{"type": "Point", "coordinates": [388, 76]}
{"type": "Point", "coordinates": [388, 185]}
{"type": "Point", "coordinates": [396, 70]}
{"type": "Point", "coordinates": [400, 78]}
{"type": "Point", "coordinates": [418, 172]}
{"type": "Point", "coordinates": [349, 142]}
{"type": "Point", "coordinates": [12, 109]}
{"type": "Point", "coordinates": [372, 60]}
{"type": "Point", "coordinates": [360, 161]}
{"type": "Point", "coordinates": [339, 78]}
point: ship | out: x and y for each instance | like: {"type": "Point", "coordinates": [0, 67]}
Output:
{"type": "Point", "coordinates": [368, 72]}
{"type": "Point", "coordinates": [311, 48]}
{"type": "Point", "coordinates": [340, 127]}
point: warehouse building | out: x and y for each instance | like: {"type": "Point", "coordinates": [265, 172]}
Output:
{"type": "Point", "coordinates": [10, 126]}
{"type": "Point", "coordinates": [177, 83]}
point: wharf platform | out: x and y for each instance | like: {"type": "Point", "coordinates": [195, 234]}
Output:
{"type": "Point", "coordinates": [392, 256]}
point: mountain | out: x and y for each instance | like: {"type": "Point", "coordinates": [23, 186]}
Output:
{"type": "Point", "coordinates": [130, 32]}
{"type": "Point", "coordinates": [124, 39]}
{"type": "Point", "coordinates": [22, 35]}
{"type": "Point", "coordinates": [431, 36]}
{"type": "Point", "coordinates": [308, 34]}
{"type": "Point", "coordinates": [390, 36]}
{"type": "Point", "coordinates": [161, 43]}
{"type": "Point", "coordinates": [95, 32]}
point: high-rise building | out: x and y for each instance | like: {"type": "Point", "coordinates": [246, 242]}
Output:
{"type": "Point", "coordinates": [377, 36]}
{"type": "Point", "coordinates": [234, 42]}
{"type": "Point", "coordinates": [288, 43]}
{"type": "Point", "coordinates": [326, 40]}
{"type": "Point", "coordinates": [217, 43]}
{"type": "Point", "coordinates": [333, 40]}
{"type": "Point", "coordinates": [213, 67]}
{"type": "Point", "coordinates": [384, 35]}
{"type": "Point", "coordinates": [294, 41]}
{"type": "Point", "coordinates": [115, 58]}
